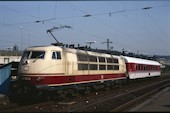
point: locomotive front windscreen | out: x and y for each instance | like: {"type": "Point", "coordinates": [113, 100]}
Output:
{"type": "Point", "coordinates": [33, 54]}
{"type": "Point", "coordinates": [26, 54]}
{"type": "Point", "coordinates": [37, 54]}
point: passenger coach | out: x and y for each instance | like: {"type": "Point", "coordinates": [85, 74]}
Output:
{"type": "Point", "coordinates": [141, 68]}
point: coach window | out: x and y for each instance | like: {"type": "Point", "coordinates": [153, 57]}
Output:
{"type": "Point", "coordinates": [131, 66]}
{"type": "Point", "coordinates": [147, 67]}
{"type": "Point", "coordinates": [141, 67]}
{"type": "Point", "coordinates": [144, 67]}
{"type": "Point", "coordinates": [157, 68]}
{"type": "Point", "coordinates": [56, 55]}
{"type": "Point", "coordinates": [154, 67]}
{"type": "Point", "coordinates": [136, 66]}
{"type": "Point", "coordinates": [151, 67]}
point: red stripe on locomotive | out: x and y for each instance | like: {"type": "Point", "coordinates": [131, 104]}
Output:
{"type": "Point", "coordinates": [70, 79]}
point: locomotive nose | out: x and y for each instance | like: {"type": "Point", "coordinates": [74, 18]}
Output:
{"type": "Point", "coordinates": [25, 62]}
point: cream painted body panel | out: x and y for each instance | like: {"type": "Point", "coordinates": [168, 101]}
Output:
{"type": "Point", "coordinates": [40, 66]}
{"type": "Point", "coordinates": [68, 65]}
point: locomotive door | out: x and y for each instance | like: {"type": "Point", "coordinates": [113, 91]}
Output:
{"type": "Point", "coordinates": [57, 62]}
{"type": "Point", "coordinates": [69, 63]}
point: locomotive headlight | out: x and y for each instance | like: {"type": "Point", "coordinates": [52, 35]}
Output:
{"type": "Point", "coordinates": [14, 78]}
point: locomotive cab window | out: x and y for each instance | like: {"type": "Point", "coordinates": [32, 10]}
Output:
{"type": "Point", "coordinates": [56, 55]}
{"type": "Point", "coordinates": [37, 54]}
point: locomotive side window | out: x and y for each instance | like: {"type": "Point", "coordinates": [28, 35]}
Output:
{"type": "Point", "coordinates": [56, 55]}
{"type": "Point", "coordinates": [109, 60]}
{"type": "Point", "coordinates": [102, 67]}
{"type": "Point", "coordinates": [109, 67]}
{"type": "Point", "coordinates": [116, 67]}
{"type": "Point", "coordinates": [93, 66]}
{"type": "Point", "coordinates": [82, 57]}
{"type": "Point", "coordinates": [101, 59]}
{"type": "Point", "coordinates": [92, 59]}
{"type": "Point", "coordinates": [37, 54]}
{"type": "Point", "coordinates": [115, 60]}
{"type": "Point", "coordinates": [82, 66]}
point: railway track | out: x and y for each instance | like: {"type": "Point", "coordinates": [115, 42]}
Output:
{"type": "Point", "coordinates": [120, 98]}
{"type": "Point", "coordinates": [123, 101]}
{"type": "Point", "coordinates": [142, 97]}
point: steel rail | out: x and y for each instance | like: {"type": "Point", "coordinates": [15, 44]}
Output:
{"type": "Point", "coordinates": [118, 96]}
{"type": "Point", "coordinates": [127, 105]}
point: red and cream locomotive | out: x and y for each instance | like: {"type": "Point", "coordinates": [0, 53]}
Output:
{"type": "Point", "coordinates": [58, 68]}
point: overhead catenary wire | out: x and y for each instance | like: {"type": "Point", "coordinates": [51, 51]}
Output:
{"type": "Point", "coordinates": [125, 34]}
{"type": "Point", "coordinates": [16, 24]}
{"type": "Point", "coordinates": [121, 11]}
{"type": "Point", "coordinates": [81, 16]}
{"type": "Point", "coordinates": [16, 11]}
{"type": "Point", "coordinates": [99, 37]}
{"type": "Point", "coordinates": [93, 35]}
{"type": "Point", "coordinates": [143, 28]}
{"type": "Point", "coordinates": [110, 13]}
{"type": "Point", "coordinates": [161, 30]}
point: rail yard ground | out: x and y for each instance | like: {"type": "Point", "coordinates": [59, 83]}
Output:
{"type": "Point", "coordinates": [103, 100]}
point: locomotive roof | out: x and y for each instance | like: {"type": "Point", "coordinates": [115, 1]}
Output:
{"type": "Point", "coordinates": [72, 50]}
{"type": "Point", "coordinates": [140, 61]}
{"type": "Point", "coordinates": [44, 47]}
